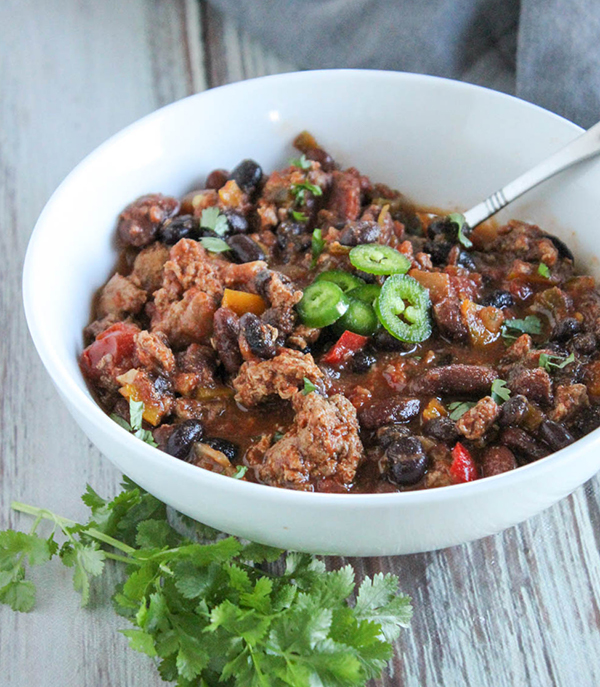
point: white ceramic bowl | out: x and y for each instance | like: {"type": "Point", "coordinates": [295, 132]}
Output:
{"type": "Point", "coordinates": [443, 143]}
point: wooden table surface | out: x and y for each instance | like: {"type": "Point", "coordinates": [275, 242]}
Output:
{"type": "Point", "coordinates": [519, 608]}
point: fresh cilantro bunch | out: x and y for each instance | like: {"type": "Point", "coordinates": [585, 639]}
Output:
{"type": "Point", "coordinates": [207, 612]}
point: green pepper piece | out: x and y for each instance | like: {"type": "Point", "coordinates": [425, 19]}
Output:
{"type": "Point", "coordinates": [375, 259]}
{"type": "Point", "coordinates": [368, 293]}
{"type": "Point", "coordinates": [360, 318]}
{"type": "Point", "coordinates": [404, 296]}
{"type": "Point", "coordinates": [322, 304]}
{"type": "Point", "coordinates": [344, 280]}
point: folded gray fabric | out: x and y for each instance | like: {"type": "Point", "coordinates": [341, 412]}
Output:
{"type": "Point", "coordinates": [545, 51]}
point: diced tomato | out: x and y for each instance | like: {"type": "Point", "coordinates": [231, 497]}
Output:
{"type": "Point", "coordinates": [118, 343]}
{"type": "Point", "coordinates": [345, 347]}
{"type": "Point", "coordinates": [463, 467]}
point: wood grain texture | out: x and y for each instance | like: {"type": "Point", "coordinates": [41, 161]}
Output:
{"type": "Point", "coordinates": [518, 609]}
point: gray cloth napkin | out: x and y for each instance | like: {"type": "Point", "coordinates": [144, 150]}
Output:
{"type": "Point", "coordinates": [545, 51]}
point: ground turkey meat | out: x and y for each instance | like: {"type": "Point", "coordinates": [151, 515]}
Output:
{"type": "Point", "coordinates": [478, 420]}
{"type": "Point", "coordinates": [281, 376]}
{"type": "Point", "coordinates": [323, 443]}
{"type": "Point", "coordinates": [120, 297]}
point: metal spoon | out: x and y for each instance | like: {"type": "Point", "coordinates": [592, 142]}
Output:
{"type": "Point", "coordinates": [582, 148]}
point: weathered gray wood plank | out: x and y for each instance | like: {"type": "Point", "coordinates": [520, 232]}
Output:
{"type": "Point", "coordinates": [521, 608]}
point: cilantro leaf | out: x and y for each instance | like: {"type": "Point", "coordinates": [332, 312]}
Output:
{"type": "Point", "coordinates": [309, 387]}
{"type": "Point", "coordinates": [459, 408]}
{"type": "Point", "coordinates": [299, 216]}
{"type": "Point", "coordinates": [211, 218]}
{"type": "Point", "coordinates": [299, 190]}
{"type": "Point", "coordinates": [461, 223]}
{"type": "Point", "coordinates": [120, 421]}
{"type": "Point", "coordinates": [530, 325]}
{"type": "Point", "coordinates": [317, 245]}
{"type": "Point", "coordinates": [301, 162]}
{"type": "Point", "coordinates": [136, 412]}
{"type": "Point", "coordinates": [500, 392]}
{"type": "Point", "coordinates": [543, 270]}
{"type": "Point", "coordinates": [214, 245]}
{"type": "Point", "coordinates": [549, 361]}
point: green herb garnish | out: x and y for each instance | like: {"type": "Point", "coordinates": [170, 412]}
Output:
{"type": "Point", "coordinates": [240, 471]}
{"type": "Point", "coordinates": [530, 325]}
{"type": "Point", "coordinates": [461, 223]}
{"type": "Point", "coordinates": [214, 245]}
{"type": "Point", "coordinates": [205, 612]}
{"type": "Point", "coordinates": [317, 245]}
{"type": "Point", "coordinates": [299, 216]}
{"type": "Point", "coordinates": [459, 408]}
{"type": "Point", "coordinates": [500, 392]}
{"type": "Point", "coordinates": [301, 162]}
{"type": "Point", "coordinates": [136, 413]}
{"type": "Point", "coordinates": [309, 387]}
{"type": "Point", "coordinates": [299, 190]}
{"type": "Point", "coordinates": [543, 270]}
{"type": "Point", "coordinates": [549, 361]}
{"type": "Point", "coordinates": [212, 219]}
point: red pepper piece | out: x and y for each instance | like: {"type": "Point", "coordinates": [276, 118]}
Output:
{"type": "Point", "coordinates": [345, 347]}
{"type": "Point", "coordinates": [118, 343]}
{"type": "Point", "coordinates": [463, 467]}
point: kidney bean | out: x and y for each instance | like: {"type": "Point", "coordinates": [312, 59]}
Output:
{"type": "Point", "coordinates": [139, 222]}
{"type": "Point", "coordinates": [247, 175]}
{"type": "Point", "coordinates": [182, 437]}
{"type": "Point", "coordinates": [496, 460]}
{"type": "Point", "coordinates": [226, 332]}
{"type": "Point", "coordinates": [323, 158]}
{"type": "Point", "coordinates": [389, 410]}
{"type": "Point", "coordinates": [217, 179]}
{"type": "Point", "coordinates": [228, 448]}
{"type": "Point", "coordinates": [565, 329]}
{"type": "Point", "coordinates": [585, 343]}
{"type": "Point", "coordinates": [456, 379]}
{"type": "Point", "coordinates": [555, 435]}
{"type": "Point", "coordinates": [513, 411]}
{"type": "Point", "coordinates": [177, 228]}
{"type": "Point", "coordinates": [523, 444]}
{"type": "Point", "coordinates": [245, 249]}
{"type": "Point", "coordinates": [407, 462]}
{"type": "Point", "coordinates": [498, 299]}
{"type": "Point", "coordinates": [260, 337]}
{"type": "Point", "coordinates": [358, 232]}
{"type": "Point", "coordinates": [441, 428]}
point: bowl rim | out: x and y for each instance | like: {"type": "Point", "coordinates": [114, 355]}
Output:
{"type": "Point", "coordinates": [70, 388]}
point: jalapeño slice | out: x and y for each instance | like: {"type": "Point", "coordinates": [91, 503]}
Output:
{"type": "Point", "coordinates": [368, 293]}
{"type": "Point", "coordinates": [344, 280]}
{"type": "Point", "coordinates": [403, 309]}
{"type": "Point", "coordinates": [360, 318]}
{"type": "Point", "coordinates": [322, 304]}
{"type": "Point", "coordinates": [376, 259]}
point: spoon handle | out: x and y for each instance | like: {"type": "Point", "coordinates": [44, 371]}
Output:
{"type": "Point", "coordinates": [583, 147]}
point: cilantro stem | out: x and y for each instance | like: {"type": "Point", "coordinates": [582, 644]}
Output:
{"type": "Point", "coordinates": [65, 522]}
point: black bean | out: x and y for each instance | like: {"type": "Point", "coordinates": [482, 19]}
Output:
{"type": "Point", "coordinates": [585, 343]}
{"type": "Point", "coordinates": [182, 437]}
{"type": "Point", "coordinates": [523, 444]}
{"type": "Point", "coordinates": [561, 247]}
{"type": "Point", "coordinates": [565, 329]}
{"type": "Point", "coordinates": [261, 339]}
{"type": "Point", "coordinates": [236, 221]}
{"type": "Point", "coordinates": [586, 421]}
{"type": "Point", "coordinates": [513, 411]}
{"type": "Point", "coordinates": [438, 250]}
{"type": "Point", "coordinates": [247, 176]}
{"type": "Point", "coordinates": [227, 447]}
{"type": "Point", "coordinates": [442, 429]}
{"type": "Point", "coordinates": [407, 462]}
{"type": "Point", "coordinates": [498, 299]}
{"type": "Point", "coordinates": [182, 227]}
{"type": "Point", "coordinates": [245, 249]}
{"type": "Point", "coordinates": [555, 435]}
{"type": "Point", "coordinates": [384, 341]}
{"type": "Point", "coordinates": [390, 434]}
{"type": "Point", "coordinates": [442, 225]}
{"type": "Point", "coordinates": [393, 409]}
{"type": "Point", "coordinates": [359, 232]}
{"type": "Point", "coordinates": [362, 361]}
{"type": "Point", "coordinates": [465, 260]}
{"type": "Point", "coordinates": [162, 385]}
{"type": "Point", "coordinates": [225, 337]}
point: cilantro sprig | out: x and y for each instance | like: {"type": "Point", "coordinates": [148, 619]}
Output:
{"type": "Point", "coordinates": [459, 408]}
{"type": "Point", "coordinates": [301, 162]}
{"type": "Point", "coordinates": [136, 415]}
{"type": "Point", "coordinates": [549, 361]}
{"type": "Point", "coordinates": [299, 190]}
{"type": "Point", "coordinates": [500, 392]}
{"type": "Point", "coordinates": [530, 325]}
{"type": "Point", "coordinates": [212, 219]}
{"type": "Point", "coordinates": [309, 387]}
{"type": "Point", "coordinates": [543, 270]}
{"type": "Point", "coordinates": [461, 223]}
{"type": "Point", "coordinates": [214, 245]}
{"type": "Point", "coordinates": [206, 612]}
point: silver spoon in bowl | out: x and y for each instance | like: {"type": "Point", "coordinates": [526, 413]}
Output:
{"type": "Point", "coordinates": [582, 148]}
